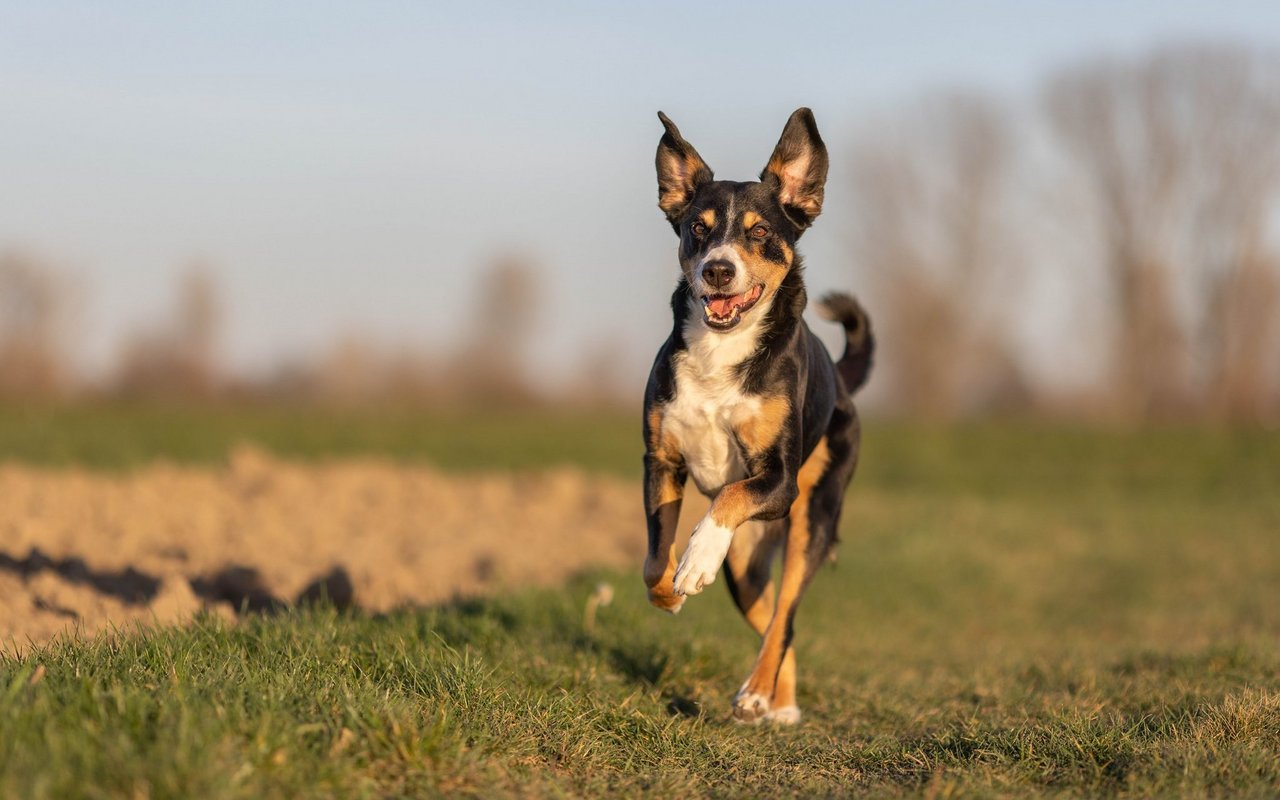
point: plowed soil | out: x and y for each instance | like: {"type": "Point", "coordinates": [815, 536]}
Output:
{"type": "Point", "coordinates": [84, 551]}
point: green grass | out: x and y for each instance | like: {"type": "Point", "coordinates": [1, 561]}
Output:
{"type": "Point", "coordinates": [992, 458]}
{"type": "Point", "coordinates": [126, 436]}
{"type": "Point", "coordinates": [1016, 610]}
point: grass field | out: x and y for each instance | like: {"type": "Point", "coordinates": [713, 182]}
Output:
{"type": "Point", "coordinates": [123, 436]}
{"type": "Point", "coordinates": [1017, 610]}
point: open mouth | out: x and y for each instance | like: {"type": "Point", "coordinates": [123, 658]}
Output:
{"type": "Point", "coordinates": [723, 311]}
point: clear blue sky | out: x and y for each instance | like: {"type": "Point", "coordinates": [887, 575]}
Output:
{"type": "Point", "coordinates": [349, 166]}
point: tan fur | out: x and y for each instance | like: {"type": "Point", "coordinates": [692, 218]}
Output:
{"type": "Point", "coordinates": [671, 199]}
{"type": "Point", "coordinates": [775, 666]}
{"type": "Point", "coordinates": [662, 444]}
{"type": "Point", "coordinates": [664, 448]}
{"type": "Point", "coordinates": [655, 426]}
{"type": "Point", "coordinates": [733, 506]}
{"type": "Point", "coordinates": [810, 472]}
{"type": "Point", "coordinates": [750, 560]}
{"type": "Point", "coordinates": [658, 574]}
{"type": "Point", "coordinates": [791, 176]}
{"type": "Point", "coordinates": [770, 273]}
{"type": "Point", "coordinates": [750, 219]}
{"type": "Point", "coordinates": [659, 571]}
{"type": "Point", "coordinates": [708, 218]}
{"type": "Point", "coordinates": [669, 493]}
{"type": "Point", "coordinates": [784, 692]}
{"type": "Point", "coordinates": [761, 430]}
{"type": "Point", "coordinates": [675, 191]}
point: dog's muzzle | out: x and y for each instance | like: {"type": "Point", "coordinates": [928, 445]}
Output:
{"type": "Point", "coordinates": [724, 311]}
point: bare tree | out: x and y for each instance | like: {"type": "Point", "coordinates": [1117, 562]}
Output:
{"type": "Point", "coordinates": [35, 308]}
{"type": "Point", "coordinates": [932, 233]}
{"type": "Point", "coordinates": [1179, 155]}
{"type": "Point", "coordinates": [491, 367]}
{"type": "Point", "coordinates": [601, 379]}
{"type": "Point", "coordinates": [198, 325]}
{"type": "Point", "coordinates": [178, 357]}
{"type": "Point", "coordinates": [488, 369]}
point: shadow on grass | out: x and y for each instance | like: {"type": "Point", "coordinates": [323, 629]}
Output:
{"type": "Point", "coordinates": [128, 585]}
{"type": "Point", "coordinates": [639, 661]}
{"type": "Point", "coordinates": [244, 589]}
{"type": "Point", "coordinates": [240, 586]}
{"type": "Point", "coordinates": [646, 664]}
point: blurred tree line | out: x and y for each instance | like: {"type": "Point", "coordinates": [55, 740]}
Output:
{"type": "Point", "coordinates": [177, 358]}
{"type": "Point", "coordinates": [1132, 205]}
{"type": "Point", "coordinates": [1135, 199]}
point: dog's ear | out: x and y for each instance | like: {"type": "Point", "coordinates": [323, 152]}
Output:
{"type": "Point", "coordinates": [797, 170]}
{"type": "Point", "coordinates": [680, 171]}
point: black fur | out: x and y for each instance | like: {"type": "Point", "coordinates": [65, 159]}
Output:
{"type": "Point", "coordinates": [860, 344]}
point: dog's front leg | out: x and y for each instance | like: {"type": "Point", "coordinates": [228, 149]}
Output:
{"type": "Point", "coordinates": [767, 495]}
{"type": "Point", "coordinates": [663, 495]}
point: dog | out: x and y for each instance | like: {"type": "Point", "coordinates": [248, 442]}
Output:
{"type": "Point", "coordinates": [746, 401]}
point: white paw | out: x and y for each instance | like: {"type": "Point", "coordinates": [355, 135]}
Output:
{"type": "Point", "coordinates": [750, 707]}
{"type": "Point", "coordinates": [787, 715]}
{"type": "Point", "coordinates": [708, 546]}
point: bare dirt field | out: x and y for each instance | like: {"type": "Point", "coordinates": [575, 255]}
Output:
{"type": "Point", "coordinates": [86, 550]}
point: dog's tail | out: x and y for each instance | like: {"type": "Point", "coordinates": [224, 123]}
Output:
{"type": "Point", "coordinates": [860, 344]}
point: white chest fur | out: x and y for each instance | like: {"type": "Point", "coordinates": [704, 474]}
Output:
{"type": "Point", "coordinates": [709, 403]}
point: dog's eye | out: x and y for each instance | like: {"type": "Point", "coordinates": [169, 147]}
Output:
{"type": "Point", "coordinates": [759, 232]}
{"type": "Point", "coordinates": [698, 229]}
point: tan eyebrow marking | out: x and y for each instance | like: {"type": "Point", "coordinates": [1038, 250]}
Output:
{"type": "Point", "coordinates": [750, 220]}
{"type": "Point", "coordinates": [708, 217]}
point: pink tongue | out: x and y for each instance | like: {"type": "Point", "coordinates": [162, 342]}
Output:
{"type": "Point", "coordinates": [721, 306]}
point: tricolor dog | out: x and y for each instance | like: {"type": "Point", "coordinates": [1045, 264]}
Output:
{"type": "Point", "coordinates": [746, 401]}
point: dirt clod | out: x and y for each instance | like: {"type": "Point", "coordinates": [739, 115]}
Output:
{"type": "Point", "coordinates": [81, 550]}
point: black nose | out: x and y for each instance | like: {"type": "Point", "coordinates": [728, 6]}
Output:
{"type": "Point", "coordinates": [717, 274]}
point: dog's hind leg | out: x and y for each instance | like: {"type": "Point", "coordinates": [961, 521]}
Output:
{"type": "Point", "coordinates": [748, 570]}
{"type": "Point", "coordinates": [770, 692]}
{"type": "Point", "coordinates": [749, 575]}
{"type": "Point", "coordinates": [771, 687]}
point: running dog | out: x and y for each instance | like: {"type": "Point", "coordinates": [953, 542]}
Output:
{"type": "Point", "coordinates": [744, 399]}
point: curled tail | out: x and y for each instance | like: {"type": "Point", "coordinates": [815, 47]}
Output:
{"type": "Point", "coordinates": [860, 344]}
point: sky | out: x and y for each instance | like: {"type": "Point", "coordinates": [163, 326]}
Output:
{"type": "Point", "coordinates": [350, 167]}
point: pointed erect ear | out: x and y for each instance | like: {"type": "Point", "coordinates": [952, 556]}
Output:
{"type": "Point", "coordinates": [797, 170]}
{"type": "Point", "coordinates": [680, 171]}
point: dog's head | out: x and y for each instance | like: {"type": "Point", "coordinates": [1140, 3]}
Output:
{"type": "Point", "coordinates": [737, 240]}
